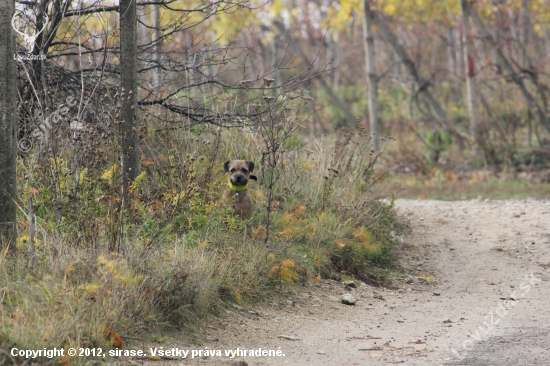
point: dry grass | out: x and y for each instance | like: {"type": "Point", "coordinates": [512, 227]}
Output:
{"type": "Point", "coordinates": [484, 184]}
{"type": "Point", "coordinates": [183, 255]}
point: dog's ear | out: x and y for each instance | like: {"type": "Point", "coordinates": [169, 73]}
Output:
{"type": "Point", "coordinates": [253, 177]}
{"type": "Point", "coordinates": [250, 166]}
{"type": "Point", "coordinates": [226, 166]}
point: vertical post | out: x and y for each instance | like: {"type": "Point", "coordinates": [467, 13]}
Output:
{"type": "Point", "coordinates": [128, 75]}
{"type": "Point", "coordinates": [372, 77]}
{"type": "Point", "coordinates": [129, 125]}
{"type": "Point", "coordinates": [8, 123]}
{"type": "Point", "coordinates": [469, 67]}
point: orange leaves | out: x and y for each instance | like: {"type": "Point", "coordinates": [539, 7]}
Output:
{"type": "Point", "coordinates": [238, 297]}
{"type": "Point", "coordinates": [340, 244]}
{"type": "Point", "coordinates": [299, 211]}
{"type": "Point", "coordinates": [146, 161]}
{"type": "Point", "coordinates": [449, 176]}
{"type": "Point", "coordinates": [64, 361]}
{"type": "Point", "coordinates": [286, 233]}
{"type": "Point", "coordinates": [284, 272]}
{"type": "Point", "coordinates": [259, 232]}
{"type": "Point", "coordinates": [154, 205]}
{"type": "Point", "coordinates": [33, 191]}
{"type": "Point", "coordinates": [293, 226]}
{"type": "Point", "coordinates": [117, 341]}
{"type": "Point", "coordinates": [113, 336]}
{"type": "Point", "coordinates": [23, 225]}
{"type": "Point", "coordinates": [358, 245]}
{"type": "Point", "coordinates": [364, 237]}
{"type": "Point", "coordinates": [311, 277]}
{"type": "Point", "coordinates": [286, 219]}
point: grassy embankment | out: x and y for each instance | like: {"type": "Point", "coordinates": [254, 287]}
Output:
{"type": "Point", "coordinates": [183, 256]}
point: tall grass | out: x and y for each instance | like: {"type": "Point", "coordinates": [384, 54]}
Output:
{"type": "Point", "coordinates": [183, 255]}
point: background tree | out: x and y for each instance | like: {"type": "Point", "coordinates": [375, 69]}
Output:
{"type": "Point", "coordinates": [8, 142]}
{"type": "Point", "coordinates": [372, 77]}
{"type": "Point", "coordinates": [128, 77]}
{"type": "Point", "coordinates": [471, 91]}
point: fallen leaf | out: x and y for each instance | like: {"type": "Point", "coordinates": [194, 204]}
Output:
{"type": "Point", "coordinates": [113, 336]}
{"type": "Point", "coordinates": [117, 341]}
{"type": "Point", "coordinates": [427, 278]}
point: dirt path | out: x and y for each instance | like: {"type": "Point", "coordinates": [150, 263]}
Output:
{"type": "Point", "coordinates": [489, 299]}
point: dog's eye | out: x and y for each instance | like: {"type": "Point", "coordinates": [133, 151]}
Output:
{"type": "Point", "coordinates": [232, 170]}
{"type": "Point", "coordinates": [245, 171]}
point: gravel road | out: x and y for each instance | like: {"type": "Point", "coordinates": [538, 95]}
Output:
{"type": "Point", "coordinates": [483, 298]}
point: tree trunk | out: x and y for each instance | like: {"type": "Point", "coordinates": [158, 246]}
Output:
{"type": "Point", "coordinates": [372, 77]}
{"type": "Point", "coordinates": [8, 142]}
{"type": "Point", "coordinates": [435, 52]}
{"type": "Point", "coordinates": [514, 32]}
{"type": "Point", "coordinates": [129, 125]}
{"type": "Point", "coordinates": [525, 23]}
{"type": "Point", "coordinates": [459, 54]}
{"type": "Point", "coordinates": [281, 30]}
{"type": "Point", "coordinates": [451, 55]}
{"type": "Point", "coordinates": [156, 38]}
{"type": "Point", "coordinates": [336, 61]}
{"type": "Point", "coordinates": [546, 36]}
{"type": "Point", "coordinates": [471, 91]}
{"type": "Point", "coordinates": [128, 73]}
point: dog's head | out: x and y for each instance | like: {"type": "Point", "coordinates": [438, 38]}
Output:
{"type": "Point", "coordinates": [238, 172]}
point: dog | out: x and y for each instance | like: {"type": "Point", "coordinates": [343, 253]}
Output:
{"type": "Point", "coordinates": [238, 176]}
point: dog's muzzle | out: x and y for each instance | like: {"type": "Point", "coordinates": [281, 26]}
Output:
{"type": "Point", "coordinates": [238, 184]}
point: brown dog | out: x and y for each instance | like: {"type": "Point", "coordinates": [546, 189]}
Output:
{"type": "Point", "coordinates": [238, 174]}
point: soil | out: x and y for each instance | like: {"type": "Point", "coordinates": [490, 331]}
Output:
{"type": "Point", "coordinates": [473, 288]}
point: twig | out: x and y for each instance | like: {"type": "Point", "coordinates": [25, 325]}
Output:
{"type": "Point", "coordinates": [31, 234]}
